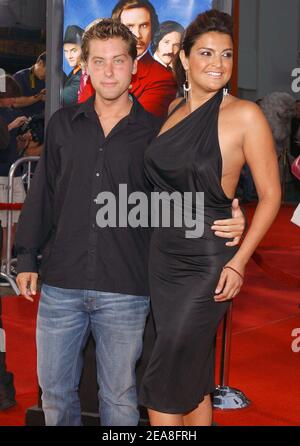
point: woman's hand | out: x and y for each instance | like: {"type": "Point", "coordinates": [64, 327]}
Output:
{"type": "Point", "coordinates": [230, 283]}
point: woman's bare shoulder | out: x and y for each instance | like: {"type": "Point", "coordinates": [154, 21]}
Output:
{"type": "Point", "coordinates": [242, 108]}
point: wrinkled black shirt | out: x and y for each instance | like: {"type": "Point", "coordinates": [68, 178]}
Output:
{"type": "Point", "coordinates": [59, 215]}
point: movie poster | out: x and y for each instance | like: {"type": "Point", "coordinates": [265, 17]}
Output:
{"type": "Point", "coordinates": [158, 26]}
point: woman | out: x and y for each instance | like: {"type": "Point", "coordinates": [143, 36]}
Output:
{"type": "Point", "coordinates": [202, 147]}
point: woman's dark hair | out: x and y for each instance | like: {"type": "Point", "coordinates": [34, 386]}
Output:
{"type": "Point", "coordinates": [208, 21]}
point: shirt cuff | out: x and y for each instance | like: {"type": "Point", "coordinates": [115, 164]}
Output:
{"type": "Point", "coordinates": [27, 263]}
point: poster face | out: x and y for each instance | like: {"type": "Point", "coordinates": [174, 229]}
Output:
{"type": "Point", "coordinates": [158, 26]}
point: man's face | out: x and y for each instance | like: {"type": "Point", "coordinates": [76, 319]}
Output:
{"type": "Point", "coordinates": [40, 70]}
{"type": "Point", "coordinates": [168, 47]}
{"type": "Point", "coordinates": [110, 67]}
{"type": "Point", "coordinates": [72, 54]}
{"type": "Point", "coordinates": [138, 20]}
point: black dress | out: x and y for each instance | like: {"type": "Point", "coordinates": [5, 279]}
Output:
{"type": "Point", "coordinates": [184, 272]}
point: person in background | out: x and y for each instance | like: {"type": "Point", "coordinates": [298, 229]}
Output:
{"type": "Point", "coordinates": [279, 109]}
{"type": "Point", "coordinates": [153, 85]}
{"type": "Point", "coordinates": [72, 52]}
{"type": "Point", "coordinates": [7, 390]}
{"type": "Point", "coordinates": [14, 120]}
{"type": "Point", "coordinates": [32, 83]}
{"type": "Point", "coordinates": [166, 43]}
{"type": "Point", "coordinates": [295, 132]}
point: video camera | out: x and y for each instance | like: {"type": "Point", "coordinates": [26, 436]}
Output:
{"type": "Point", "coordinates": [36, 126]}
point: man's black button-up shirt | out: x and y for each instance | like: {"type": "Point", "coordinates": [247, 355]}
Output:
{"type": "Point", "coordinates": [59, 215]}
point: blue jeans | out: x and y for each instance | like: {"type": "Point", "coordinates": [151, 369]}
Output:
{"type": "Point", "coordinates": [65, 320]}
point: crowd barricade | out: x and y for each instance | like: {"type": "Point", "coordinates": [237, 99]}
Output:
{"type": "Point", "coordinates": [8, 262]}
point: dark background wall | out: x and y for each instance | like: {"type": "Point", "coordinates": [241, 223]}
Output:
{"type": "Point", "coordinates": [22, 33]}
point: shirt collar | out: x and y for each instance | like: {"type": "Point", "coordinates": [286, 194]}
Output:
{"type": "Point", "coordinates": [142, 55]}
{"type": "Point", "coordinates": [137, 113]}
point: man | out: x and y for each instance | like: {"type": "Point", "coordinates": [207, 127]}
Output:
{"type": "Point", "coordinates": [153, 85]}
{"type": "Point", "coordinates": [72, 52]}
{"type": "Point", "coordinates": [14, 120]}
{"type": "Point", "coordinates": [7, 390]}
{"type": "Point", "coordinates": [32, 83]}
{"type": "Point", "coordinates": [166, 43]}
{"type": "Point", "coordinates": [93, 279]}
{"type": "Point", "coordinates": [295, 132]}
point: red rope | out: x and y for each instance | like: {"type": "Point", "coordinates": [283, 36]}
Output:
{"type": "Point", "coordinates": [11, 206]}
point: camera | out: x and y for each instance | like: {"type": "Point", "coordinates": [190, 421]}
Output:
{"type": "Point", "coordinates": [36, 126]}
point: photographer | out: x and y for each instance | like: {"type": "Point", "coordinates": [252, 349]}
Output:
{"type": "Point", "coordinates": [31, 136]}
{"type": "Point", "coordinates": [7, 391]}
{"type": "Point", "coordinates": [14, 121]}
{"type": "Point", "coordinates": [32, 83]}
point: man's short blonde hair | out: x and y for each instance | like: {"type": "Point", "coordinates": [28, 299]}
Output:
{"type": "Point", "coordinates": [108, 29]}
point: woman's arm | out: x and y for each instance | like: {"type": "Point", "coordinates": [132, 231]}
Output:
{"type": "Point", "coordinates": [260, 155]}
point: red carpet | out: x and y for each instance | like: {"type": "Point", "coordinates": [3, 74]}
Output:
{"type": "Point", "coordinates": [263, 364]}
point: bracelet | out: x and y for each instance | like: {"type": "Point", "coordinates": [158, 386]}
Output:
{"type": "Point", "coordinates": [229, 267]}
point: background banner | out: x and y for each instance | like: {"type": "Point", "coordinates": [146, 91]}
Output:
{"type": "Point", "coordinates": [83, 12]}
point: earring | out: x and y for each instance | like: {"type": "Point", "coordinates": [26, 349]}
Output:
{"type": "Point", "coordinates": [186, 87]}
{"type": "Point", "coordinates": [225, 92]}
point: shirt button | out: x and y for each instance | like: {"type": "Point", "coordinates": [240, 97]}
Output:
{"type": "Point", "coordinates": [101, 149]}
{"type": "Point", "coordinates": [97, 174]}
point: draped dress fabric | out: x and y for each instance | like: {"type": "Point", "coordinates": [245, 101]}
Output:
{"type": "Point", "coordinates": [184, 272]}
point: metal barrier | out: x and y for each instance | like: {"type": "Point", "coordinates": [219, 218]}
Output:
{"type": "Point", "coordinates": [11, 207]}
{"type": "Point", "coordinates": [226, 397]}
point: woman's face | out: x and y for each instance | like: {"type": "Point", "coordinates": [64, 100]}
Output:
{"type": "Point", "coordinates": [210, 62]}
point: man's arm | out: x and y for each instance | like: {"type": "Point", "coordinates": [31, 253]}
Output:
{"type": "Point", "coordinates": [36, 220]}
{"type": "Point", "coordinates": [26, 101]}
{"type": "Point", "coordinates": [233, 228]}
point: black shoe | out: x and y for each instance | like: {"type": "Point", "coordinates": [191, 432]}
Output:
{"type": "Point", "coordinates": [7, 391]}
